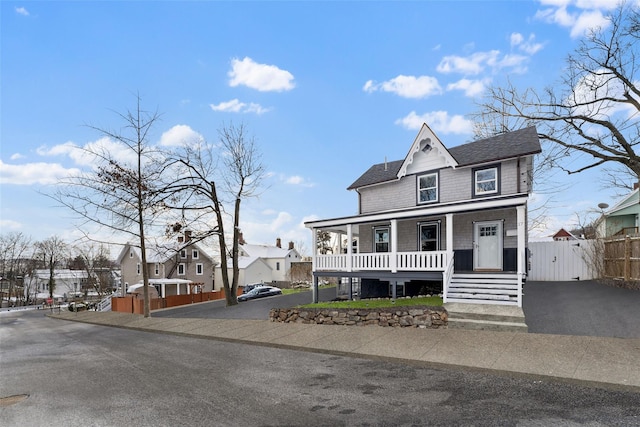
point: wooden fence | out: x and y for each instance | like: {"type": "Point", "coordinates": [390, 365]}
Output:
{"type": "Point", "coordinates": [132, 304]}
{"type": "Point", "coordinates": [622, 258]}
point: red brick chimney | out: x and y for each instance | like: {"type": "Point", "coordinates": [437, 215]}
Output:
{"type": "Point", "coordinates": [241, 239]}
{"type": "Point", "coordinates": [290, 245]}
{"type": "Point", "coordinates": [278, 243]}
{"type": "Point", "coordinates": [187, 235]}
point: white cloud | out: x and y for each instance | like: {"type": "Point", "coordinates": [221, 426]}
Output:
{"type": "Point", "coordinates": [262, 77]}
{"type": "Point", "coordinates": [179, 135]}
{"type": "Point", "coordinates": [16, 156]}
{"type": "Point", "coordinates": [7, 224]}
{"type": "Point", "coordinates": [406, 86]}
{"type": "Point", "coordinates": [471, 88]}
{"type": "Point", "coordinates": [528, 46]}
{"type": "Point", "coordinates": [440, 121]}
{"type": "Point", "coordinates": [22, 11]}
{"type": "Point", "coordinates": [470, 65]}
{"type": "Point", "coordinates": [235, 106]}
{"type": "Point", "coordinates": [298, 180]}
{"type": "Point", "coordinates": [34, 173]}
{"type": "Point", "coordinates": [579, 16]}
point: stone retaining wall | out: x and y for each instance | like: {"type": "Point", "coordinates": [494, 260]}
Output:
{"type": "Point", "coordinates": [409, 317]}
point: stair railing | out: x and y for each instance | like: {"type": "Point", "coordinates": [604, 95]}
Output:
{"type": "Point", "coordinates": [446, 277]}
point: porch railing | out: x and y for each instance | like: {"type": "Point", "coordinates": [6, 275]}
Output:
{"type": "Point", "coordinates": [404, 261]}
{"type": "Point", "coordinates": [446, 280]}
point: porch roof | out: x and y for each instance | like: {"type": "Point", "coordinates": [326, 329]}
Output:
{"type": "Point", "coordinates": [440, 209]}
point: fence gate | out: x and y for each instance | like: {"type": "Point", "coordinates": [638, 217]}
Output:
{"type": "Point", "coordinates": [561, 261]}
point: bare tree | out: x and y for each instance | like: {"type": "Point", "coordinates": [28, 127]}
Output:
{"type": "Point", "coordinates": [53, 251]}
{"type": "Point", "coordinates": [94, 259]}
{"type": "Point", "coordinates": [120, 194]}
{"type": "Point", "coordinates": [205, 191]}
{"type": "Point", "coordinates": [15, 252]}
{"type": "Point", "coordinates": [595, 107]}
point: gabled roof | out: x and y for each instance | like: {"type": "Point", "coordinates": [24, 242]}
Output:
{"type": "Point", "coordinates": [523, 142]}
{"type": "Point", "coordinates": [162, 252]}
{"type": "Point", "coordinates": [266, 251]}
{"type": "Point", "coordinates": [626, 201]}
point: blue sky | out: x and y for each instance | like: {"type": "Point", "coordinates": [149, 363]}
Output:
{"type": "Point", "coordinates": [326, 88]}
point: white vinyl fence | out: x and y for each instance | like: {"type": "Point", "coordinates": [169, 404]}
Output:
{"type": "Point", "coordinates": [561, 261]}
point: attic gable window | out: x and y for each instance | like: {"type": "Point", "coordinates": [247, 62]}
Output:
{"type": "Point", "coordinates": [428, 188]}
{"type": "Point", "coordinates": [486, 181]}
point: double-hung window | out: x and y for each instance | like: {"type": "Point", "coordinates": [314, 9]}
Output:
{"type": "Point", "coordinates": [381, 239]}
{"type": "Point", "coordinates": [486, 181]}
{"type": "Point", "coordinates": [428, 188]}
{"type": "Point", "coordinates": [199, 269]}
{"type": "Point", "coordinates": [182, 269]}
{"type": "Point", "coordinates": [430, 236]}
{"type": "Point", "coordinates": [195, 254]}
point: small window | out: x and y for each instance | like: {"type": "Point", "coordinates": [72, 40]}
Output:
{"type": "Point", "coordinates": [428, 188]}
{"type": "Point", "coordinates": [381, 239]}
{"type": "Point", "coordinates": [157, 269]}
{"type": "Point", "coordinates": [199, 269]}
{"type": "Point", "coordinates": [486, 181]}
{"type": "Point", "coordinates": [277, 266]}
{"type": "Point", "coordinates": [138, 268]}
{"type": "Point", "coordinates": [183, 254]}
{"type": "Point", "coordinates": [181, 269]}
{"type": "Point", "coordinates": [195, 254]}
{"type": "Point", "coordinates": [130, 253]}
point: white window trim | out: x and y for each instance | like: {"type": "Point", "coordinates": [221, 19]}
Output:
{"type": "Point", "coordinates": [138, 268]}
{"type": "Point", "coordinates": [182, 266]}
{"type": "Point", "coordinates": [388, 242]}
{"type": "Point", "coordinates": [479, 191]}
{"type": "Point", "coordinates": [195, 254]}
{"type": "Point", "coordinates": [199, 269]}
{"type": "Point", "coordinates": [157, 269]}
{"type": "Point", "coordinates": [183, 254]}
{"type": "Point", "coordinates": [429, 224]}
{"type": "Point", "coordinates": [436, 188]}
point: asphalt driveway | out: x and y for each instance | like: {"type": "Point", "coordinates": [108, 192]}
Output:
{"type": "Point", "coordinates": [585, 308]}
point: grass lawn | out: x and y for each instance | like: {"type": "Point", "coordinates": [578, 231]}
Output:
{"type": "Point", "coordinates": [378, 303]}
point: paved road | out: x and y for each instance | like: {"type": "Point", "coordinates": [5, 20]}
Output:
{"type": "Point", "coordinates": [78, 374]}
{"type": "Point", "coordinates": [585, 308]}
{"type": "Point", "coordinates": [253, 309]}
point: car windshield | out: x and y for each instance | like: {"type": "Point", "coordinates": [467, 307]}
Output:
{"type": "Point", "coordinates": [253, 291]}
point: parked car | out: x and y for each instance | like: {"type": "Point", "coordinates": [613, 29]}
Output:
{"type": "Point", "coordinates": [260, 292]}
{"type": "Point", "coordinates": [77, 306]}
{"type": "Point", "coordinates": [248, 288]}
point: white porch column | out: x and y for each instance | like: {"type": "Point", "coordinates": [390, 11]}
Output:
{"type": "Point", "coordinates": [349, 247]}
{"type": "Point", "coordinates": [163, 290]}
{"type": "Point", "coordinates": [393, 261]}
{"type": "Point", "coordinates": [178, 288]}
{"type": "Point", "coordinates": [449, 219]}
{"type": "Point", "coordinates": [521, 222]}
{"type": "Point", "coordinates": [314, 254]}
{"type": "Point", "coordinates": [188, 288]}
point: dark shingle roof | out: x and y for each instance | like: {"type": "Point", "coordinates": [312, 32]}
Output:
{"type": "Point", "coordinates": [522, 142]}
{"type": "Point", "coordinates": [507, 145]}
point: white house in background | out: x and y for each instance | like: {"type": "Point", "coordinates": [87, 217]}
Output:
{"type": "Point", "coordinates": [262, 263]}
{"type": "Point", "coordinates": [68, 283]}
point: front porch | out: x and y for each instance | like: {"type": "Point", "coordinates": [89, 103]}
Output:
{"type": "Point", "coordinates": [373, 248]}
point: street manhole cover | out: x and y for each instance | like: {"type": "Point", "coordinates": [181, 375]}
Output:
{"type": "Point", "coordinates": [12, 400]}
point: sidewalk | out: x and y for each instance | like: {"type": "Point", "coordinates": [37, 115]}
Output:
{"type": "Point", "coordinates": [604, 362]}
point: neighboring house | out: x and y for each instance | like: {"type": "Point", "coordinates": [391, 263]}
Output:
{"type": "Point", "coordinates": [67, 283]}
{"type": "Point", "coordinates": [184, 260]}
{"type": "Point", "coordinates": [563, 235]}
{"type": "Point", "coordinates": [439, 217]}
{"type": "Point", "coordinates": [263, 263]}
{"type": "Point", "coordinates": [623, 218]}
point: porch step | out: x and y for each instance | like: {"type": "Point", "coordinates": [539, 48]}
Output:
{"type": "Point", "coordinates": [486, 317]}
{"type": "Point", "coordinates": [484, 288]}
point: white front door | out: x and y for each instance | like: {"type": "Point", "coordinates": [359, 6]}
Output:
{"type": "Point", "coordinates": [487, 245]}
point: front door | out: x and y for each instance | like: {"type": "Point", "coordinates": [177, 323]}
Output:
{"type": "Point", "coordinates": [487, 245]}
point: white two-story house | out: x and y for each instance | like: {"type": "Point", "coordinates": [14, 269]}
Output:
{"type": "Point", "coordinates": [451, 218]}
